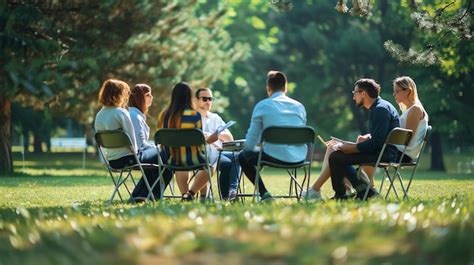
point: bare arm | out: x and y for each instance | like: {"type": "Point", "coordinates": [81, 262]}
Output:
{"type": "Point", "coordinates": [226, 136]}
{"type": "Point", "coordinates": [414, 117]}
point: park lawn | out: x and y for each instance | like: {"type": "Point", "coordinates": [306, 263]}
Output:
{"type": "Point", "coordinates": [54, 212]}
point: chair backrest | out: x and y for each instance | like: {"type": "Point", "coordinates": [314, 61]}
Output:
{"type": "Point", "coordinates": [399, 136]}
{"type": "Point", "coordinates": [288, 135]}
{"type": "Point", "coordinates": [179, 137]}
{"type": "Point", "coordinates": [423, 145]}
{"type": "Point", "coordinates": [113, 139]}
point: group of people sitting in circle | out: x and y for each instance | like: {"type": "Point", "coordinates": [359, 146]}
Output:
{"type": "Point", "coordinates": [127, 110]}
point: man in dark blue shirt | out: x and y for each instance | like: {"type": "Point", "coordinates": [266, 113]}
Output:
{"type": "Point", "coordinates": [382, 119]}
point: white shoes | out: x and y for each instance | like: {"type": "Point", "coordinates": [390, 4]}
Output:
{"type": "Point", "coordinates": [311, 195]}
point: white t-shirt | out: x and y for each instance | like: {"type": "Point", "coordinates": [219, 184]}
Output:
{"type": "Point", "coordinates": [414, 147]}
{"type": "Point", "coordinates": [209, 126]}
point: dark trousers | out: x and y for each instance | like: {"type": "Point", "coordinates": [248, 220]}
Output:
{"type": "Point", "coordinates": [340, 165]}
{"type": "Point", "coordinates": [150, 156]}
{"type": "Point", "coordinates": [248, 162]}
{"type": "Point", "coordinates": [229, 173]}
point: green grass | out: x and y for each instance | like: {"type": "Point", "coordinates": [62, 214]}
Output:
{"type": "Point", "coordinates": [54, 212]}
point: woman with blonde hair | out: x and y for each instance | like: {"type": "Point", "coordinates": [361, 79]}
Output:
{"type": "Point", "coordinates": [414, 115]}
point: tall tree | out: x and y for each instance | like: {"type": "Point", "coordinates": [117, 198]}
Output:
{"type": "Point", "coordinates": [67, 49]}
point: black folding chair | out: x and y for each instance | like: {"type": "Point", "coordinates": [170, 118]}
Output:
{"type": "Point", "coordinates": [288, 135]}
{"type": "Point", "coordinates": [413, 164]}
{"type": "Point", "coordinates": [398, 136]}
{"type": "Point", "coordinates": [177, 138]}
{"type": "Point", "coordinates": [119, 139]}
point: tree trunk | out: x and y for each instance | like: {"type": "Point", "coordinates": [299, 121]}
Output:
{"type": "Point", "coordinates": [6, 162]}
{"type": "Point", "coordinates": [37, 139]}
{"type": "Point", "coordinates": [437, 162]}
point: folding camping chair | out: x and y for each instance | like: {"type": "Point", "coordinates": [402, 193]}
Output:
{"type": "Point", "coordinates": [181, 138]}
{"type": "Point", "coordinates": [288, 135]}
{"type": "Point", "coordinates": [120, 139]}
{"type": "Point", "coordinates": [413, 164]}
{"type": "Point", "coordinates": [398, 136]}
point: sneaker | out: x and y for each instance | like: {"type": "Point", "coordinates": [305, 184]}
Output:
{"type": "Point", "coordinates": [267, 197]}
{"type": "Point", "coordinates": [340, 197]}
{"type": "Point", "coordinates": [136, 200]}
{"type": "Point", "coordinates": [351, 193]}
{"type": "Point", "coordinates": [232, 195]}
{"type": "Point", "coordinates": [311, 195]}
{"type": "Point", "coordinates": [361, 192]}
{"type": "Point", "coordinates": [187, 196]}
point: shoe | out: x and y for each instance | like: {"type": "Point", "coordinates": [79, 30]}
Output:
{"type": "Point", "coordinates": [361, 192]}
{"type": "Point", "coordinates": [311, 195]}
{"type": "Point", "coordinates": [232, 195]}
{"type": "Point", "coordinates": [187, 196]}
{"type": "Point", "coordinates": [267, 197]}
{"type": "Point", "coordinates": [351, 193]}
{"type": "Point", "coordinates": [341, 197]}
{"type": "Point", "coordinates": [135, 200]}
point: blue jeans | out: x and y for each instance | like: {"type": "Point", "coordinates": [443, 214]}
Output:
{"type": "Point", "coordinates": [229, 169]}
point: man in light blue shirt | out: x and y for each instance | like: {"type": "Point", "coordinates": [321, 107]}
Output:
{"type": "Point", "coordinates": [276, 110]}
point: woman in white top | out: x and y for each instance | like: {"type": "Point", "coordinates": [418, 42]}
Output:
{"type": "Point", "coordinates": [140, 100]}
{"type": "Point", "coordinates": [414, 116]}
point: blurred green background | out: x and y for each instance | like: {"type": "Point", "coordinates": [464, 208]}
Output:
{"type": "Point", "coordinates": [55, 55]}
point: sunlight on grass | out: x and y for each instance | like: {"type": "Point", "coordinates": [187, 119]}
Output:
{"type": "Point", "coordinates": [58, 215]}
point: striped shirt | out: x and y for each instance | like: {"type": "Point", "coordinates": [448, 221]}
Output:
{"type": "Point", "coordinates": [183, 156]}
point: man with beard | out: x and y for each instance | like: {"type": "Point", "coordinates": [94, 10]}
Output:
{"type": "Point", "coordinates": [383, 118]}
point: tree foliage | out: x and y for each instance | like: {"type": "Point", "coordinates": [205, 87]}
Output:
{"type": "Point", "coordinates": [57, 53]}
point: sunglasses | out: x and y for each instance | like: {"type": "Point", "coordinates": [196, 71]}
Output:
{"type": "Point", "coordinates": [205, 99]}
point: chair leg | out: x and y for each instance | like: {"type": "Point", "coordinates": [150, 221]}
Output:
{"type": "Point", "coordinates": [256, 197]}
{"type": "Point", "coordinates": [405, 195]}
{"type": "Point", "coordinates": [210, 193]}
{"type": "Point", "coordinates": [411, 179]}
{"type": "Point", "coordinates": [392, 185]}
{"type": "Point", "coordinates": [116, 189]}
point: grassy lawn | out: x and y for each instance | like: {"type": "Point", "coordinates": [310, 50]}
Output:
{"type": "Point", "coordinates": [54, 212]}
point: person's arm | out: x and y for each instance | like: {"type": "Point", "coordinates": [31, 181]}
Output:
{"type": "Point", "coordinates": [128, 128]}
{"type": "Point", "coordinates": [349, 148]}
{"type": "Point", "coordinates": [254, 133]}
{"type": "Point", "coordinates": [380, 125]}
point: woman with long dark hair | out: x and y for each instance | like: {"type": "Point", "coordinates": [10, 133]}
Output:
{"type": "Point", "coordinates": [181, 115]}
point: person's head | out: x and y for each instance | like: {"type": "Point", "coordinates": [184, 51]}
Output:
{"type": "Point", "coordinates": [404, 92]}
{"type": "Point", "coordinates": [181, 99]}
{"type": "Point", "coordinates": [141, 97]}
{"type": "Point", "coordinates": [204, 99]}
{"type": "Point", "coordinates": [276, 82]}
{"type": "Point", "coordinates": [114, 93]}
{"type": "Point", "coordinates": [365, 92]}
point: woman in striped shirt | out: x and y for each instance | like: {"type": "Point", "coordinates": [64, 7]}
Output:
{"type": "Point", "coordinates": [180, 114]}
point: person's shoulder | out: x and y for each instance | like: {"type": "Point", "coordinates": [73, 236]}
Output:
{"type": "Point", "coordinates": [191, 112]}
{"type": "Point", "coordinates": [213, 115]}
{"type": "Point", "coordinates": [416, 111]}
{"type": "Point", "coordinates": [122, 111]}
